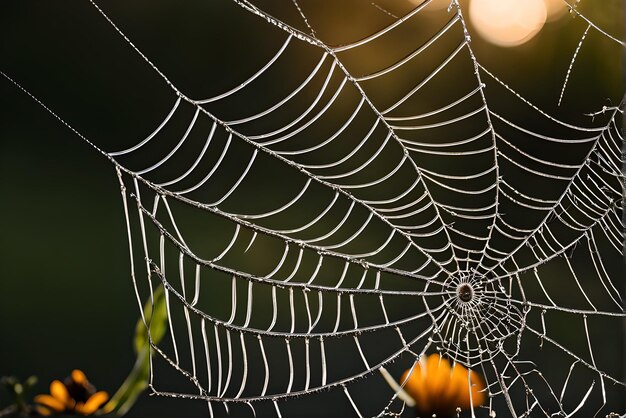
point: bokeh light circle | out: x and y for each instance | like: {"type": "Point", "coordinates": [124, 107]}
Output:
{"type": "Point", "coordinates": [555, 9]}
{"type": "Point", "coordinates": [508, 22]}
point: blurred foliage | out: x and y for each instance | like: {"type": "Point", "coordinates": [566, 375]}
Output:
{"type": "Point", "coordinates": [18, 391]}
{"type": "Point", "coordinates": [152, 331]}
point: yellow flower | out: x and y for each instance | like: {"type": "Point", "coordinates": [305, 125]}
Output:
{"type": "Point", "coordinates": [439, 388]}
{"type": "Point", "coordinates": [73, 396]}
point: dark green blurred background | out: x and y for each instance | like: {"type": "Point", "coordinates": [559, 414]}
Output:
{"type": "Point", "coordinates": [66, 300]}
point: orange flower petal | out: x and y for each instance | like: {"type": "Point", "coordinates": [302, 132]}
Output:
{"type": "Point", "coordinates": [440, 388]}
{"type": "Point", "coordinates": [415, 385]}
{"type": "Point", "coordinates": [437, 379]}
{"type": "Point", "coordinates": [79, 408]}
{"type": "Point", "coordinates": [79, 377]}
{"type": "Point", "coordinates": [59, 391]}
{"type": "Point", "coordinates": [459, 392]}
{"type": "Point", "coordinates": [42, 410]}
{"type": "Point", "coordinates": [478, 388]}
{"type": "Point", "coordinates": [50, 402]}
{"type": "Point", "coordinates": [94, 402]}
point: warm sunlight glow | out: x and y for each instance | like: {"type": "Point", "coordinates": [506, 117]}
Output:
{"type": "Point", "coordinates": [556, 9]}
{"type": "Point", "coordinates": [507, 22]}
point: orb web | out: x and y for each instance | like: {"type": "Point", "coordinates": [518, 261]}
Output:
{"type": "Point", "coordinates": [341, 211]}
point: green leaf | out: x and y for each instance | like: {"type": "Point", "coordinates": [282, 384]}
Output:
{"type": "Point", "coordinates": [155, 313]}
{"type": "Point", "coordinates": [156, 318]}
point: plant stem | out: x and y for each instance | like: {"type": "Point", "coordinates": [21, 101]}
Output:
{"type": "Point", "coordinates": [8, 410]}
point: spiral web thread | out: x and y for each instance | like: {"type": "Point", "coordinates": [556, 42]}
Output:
{"type": "Point", "coordinates": [351, 270]}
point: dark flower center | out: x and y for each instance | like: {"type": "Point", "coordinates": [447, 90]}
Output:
{"type": "Point", "coordinates": [80, 392]}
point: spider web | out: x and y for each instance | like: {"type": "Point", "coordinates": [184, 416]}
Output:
{"type": "Point", "coordinates": [312, 226]}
